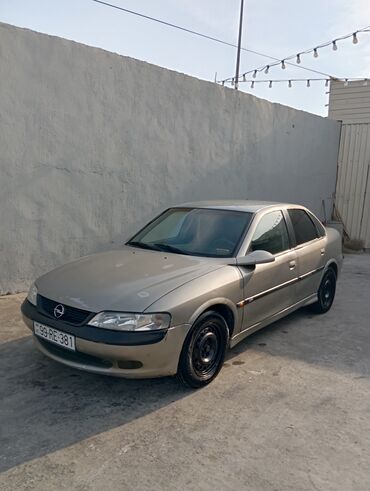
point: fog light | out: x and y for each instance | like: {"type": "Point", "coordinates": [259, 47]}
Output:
{"type": "Point", "coordinates": [129, 364]}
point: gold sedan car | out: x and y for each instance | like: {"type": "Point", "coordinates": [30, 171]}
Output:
{"type": "Point", "coordinates": [196, 280]}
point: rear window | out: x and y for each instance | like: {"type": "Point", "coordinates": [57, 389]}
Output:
{"type": "Point", "coordinates": [319, 226]}
{"type": "Point", "coordinates": [304, 228]}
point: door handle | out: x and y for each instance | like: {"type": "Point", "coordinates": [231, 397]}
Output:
{"type": "Point", "coordinates": [291, 265]}
{"type": "Point", "coordinates": [322, 251]}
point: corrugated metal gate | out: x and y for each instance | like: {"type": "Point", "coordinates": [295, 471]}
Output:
{"type": "Point", "coordinates": [352, 194]}
{"type": "Point", "coordinates": [351, 105]}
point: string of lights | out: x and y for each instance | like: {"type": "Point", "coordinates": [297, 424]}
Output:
{"type": "Point", "coordinates": [298, 56]}
{"type": "Point", "coordinates": [307, 81]}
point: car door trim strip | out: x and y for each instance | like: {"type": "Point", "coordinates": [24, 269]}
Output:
{"type": "Point", "coordinates": [248, 300]}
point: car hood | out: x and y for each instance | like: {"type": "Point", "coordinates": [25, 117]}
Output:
{"type": "Point", "coordinates": [129, 279]}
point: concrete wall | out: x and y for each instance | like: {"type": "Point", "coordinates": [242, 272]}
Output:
{"type": "Point", "coordinates": [93, 144]}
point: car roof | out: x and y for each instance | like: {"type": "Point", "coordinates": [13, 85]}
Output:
{"type": "Point", "coordinates": [250, 206]}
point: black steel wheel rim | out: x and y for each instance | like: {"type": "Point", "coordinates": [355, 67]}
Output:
{"type": "Point", "coordinates": [206, 352]}
{"type": "Point", "coordinates": [327, 291]}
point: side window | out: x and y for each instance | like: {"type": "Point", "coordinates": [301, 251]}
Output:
{"type": "Point", "coordinates": [319, 226]}
{"type": "Point", "coordinates": [304, 228]}
{"type": "Point", "coordinates": [271, 234]}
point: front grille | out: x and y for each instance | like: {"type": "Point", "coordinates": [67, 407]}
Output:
{"type": "Point", "coordinates": [71, 314]}
{"type": "Point", "coordinates": [75, 356]}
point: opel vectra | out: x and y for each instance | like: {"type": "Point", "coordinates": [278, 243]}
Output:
{"type": "Point", "coordinates": [196, 280]}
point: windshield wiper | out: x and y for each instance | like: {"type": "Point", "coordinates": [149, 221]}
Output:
{"type": "Point", "coordinates": [156, 247]}
{"type": "Point", "coordinates": [170, 248]}
{"type": "Point", "coordinates": [142, 245]}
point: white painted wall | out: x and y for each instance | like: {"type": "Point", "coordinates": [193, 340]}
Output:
{"type": "Point", "coordinates": [93, 144]}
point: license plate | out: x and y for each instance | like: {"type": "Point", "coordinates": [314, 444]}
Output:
{"type": "Point", "coordinates": [55, 336]}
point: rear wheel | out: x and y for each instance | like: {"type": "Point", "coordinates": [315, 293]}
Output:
{"type": "Point", "coordinates": [203, 353]}
{"type": "Point", "coordinates": [326, 292]}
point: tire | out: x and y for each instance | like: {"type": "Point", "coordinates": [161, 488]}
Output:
{"type": "Point", "coordinates": [326, 293]}
{"type": "Point", "coordinates": [204, 350]}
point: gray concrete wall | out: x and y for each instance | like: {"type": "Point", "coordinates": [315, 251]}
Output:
{"type": "Point", "coordinates": [93, 144]}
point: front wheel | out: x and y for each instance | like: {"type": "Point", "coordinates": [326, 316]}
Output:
{"type": "Point", "coordinates": [326, 293]}
{"type": "Point", "coordinates": [204, 349]}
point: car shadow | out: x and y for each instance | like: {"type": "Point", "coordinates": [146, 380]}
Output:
{"type": "Point", "coordinates": [335, 341]}
{"type": "Point", "coordinates": [46, 406]}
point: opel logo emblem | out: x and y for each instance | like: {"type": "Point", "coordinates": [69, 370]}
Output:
{"type": "Point", "coordinates": [58, 311]}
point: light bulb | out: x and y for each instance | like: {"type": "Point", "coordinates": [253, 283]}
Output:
{"type": "Point", "coordinates": [267, 69]}
{"type": "Point", "coordinates": [346, 82]}
{"type": "Point", "coordinates": [315, 53]}
{"type": "Point", "coordinates": [252, 84]}
{"type": "Point", "coordinates": [270, 84]}
{"type": "Point", "coordinates": [232, 81]}
{"type": "Point", "coordinates": [298, 58]}
{"type": "Point", "coordinates": [254, 74]}
{"type": "Point", "coordinates": [326, 82]}
{"type": "Point", "coordinates": [244, 79]}
{"type": "Point", "coordinates": [335, 47]}
{"type": "Point", "coordinates": [289, 83]}
{"type": "Point", "coordinates": [308, 83]}
{"type": "Point", "coordinates": [354, 38]}
{"type": "Point", "coordinates": [283, 64]}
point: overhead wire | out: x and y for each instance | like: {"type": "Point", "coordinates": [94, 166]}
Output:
{"type": "Point", "coordinates": [200, 34]}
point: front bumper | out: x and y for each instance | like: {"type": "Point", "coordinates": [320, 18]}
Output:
{"type": "Point", "coordinates": [130, 355]}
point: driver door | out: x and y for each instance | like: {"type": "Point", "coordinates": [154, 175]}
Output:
{"type": "Point", "coordinates": [269, 288]}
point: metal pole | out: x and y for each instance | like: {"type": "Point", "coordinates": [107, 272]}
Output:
{"type": "Point", "coordinates": [239, 45]}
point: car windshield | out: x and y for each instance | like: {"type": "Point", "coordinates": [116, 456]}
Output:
{"type": "Point", "coordinates": [194, 231]}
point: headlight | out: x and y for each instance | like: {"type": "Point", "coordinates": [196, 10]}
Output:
{"type": "Point", "coordinates": [121, 321]}
{"type": "Point", "coordinates": [32, 294]}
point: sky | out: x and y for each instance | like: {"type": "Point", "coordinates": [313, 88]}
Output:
{"type": "Point", "coordinates": [275, 27]}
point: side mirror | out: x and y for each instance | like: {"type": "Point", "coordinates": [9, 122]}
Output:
{"type": "Point", "coordinates": [255, 257]}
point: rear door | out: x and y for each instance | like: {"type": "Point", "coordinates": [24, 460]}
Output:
{"type": "Point", "coordinates": [310, 248]}
{"type": "Point", "coordinates": [270, 288]}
